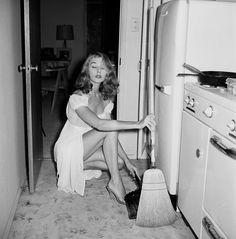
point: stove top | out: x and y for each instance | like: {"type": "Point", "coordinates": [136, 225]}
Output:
{"type": "Point", "coordinates": [215, 107]}
{"type": "Point", "coordinates": [218, 95]}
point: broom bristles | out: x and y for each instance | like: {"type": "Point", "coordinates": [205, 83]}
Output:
{"type": "Point", "coordinates": [155, 208]}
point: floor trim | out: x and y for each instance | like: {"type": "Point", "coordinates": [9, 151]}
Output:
{"type": "Point", "coordinates": [12, 214]}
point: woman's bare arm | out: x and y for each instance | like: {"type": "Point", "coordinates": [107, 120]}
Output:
{"type": "Point", "coordinates": [94, 121]}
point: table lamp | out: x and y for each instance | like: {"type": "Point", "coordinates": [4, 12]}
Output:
{"type": "Point", "coordinates": [64, 32]}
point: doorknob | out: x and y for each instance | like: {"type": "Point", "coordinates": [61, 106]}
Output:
{"type": "Point", "coordinates": [33, 68]}
{"type": "Point", "coordinates": [21, 68]}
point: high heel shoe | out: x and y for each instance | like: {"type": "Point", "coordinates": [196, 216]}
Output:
{"type": "Point", "coordinates": [112, 193]}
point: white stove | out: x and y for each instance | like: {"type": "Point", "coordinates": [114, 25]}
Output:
{"type": "Point", "coordinates": [207, 179]}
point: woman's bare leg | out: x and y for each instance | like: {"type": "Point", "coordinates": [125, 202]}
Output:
{"type": "Point", "coordinates": [110, 148]}
{"type": "Point", "coordinates": [97, 161]}
{"type": "Point", "coordinates": [94, 157]}
{"type": "Point", "coordinates": [109, 140]}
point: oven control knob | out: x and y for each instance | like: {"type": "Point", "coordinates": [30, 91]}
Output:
{"type": "Point", "coordinates": [187, 100]}
{"type": "Point", "coordinates": [232, 125]}
{"type": "Point", "coordinates": [209, 112]}
{"type": "Point", "coordinates": [192, 102]}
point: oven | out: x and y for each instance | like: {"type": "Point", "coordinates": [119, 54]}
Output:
{"type": "Point", "coordinates": [207, 176]}
{"type": "Point", "coordinates": [219, 205]}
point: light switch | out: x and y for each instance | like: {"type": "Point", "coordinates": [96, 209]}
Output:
{"type": "Point", "coordinates": [135, 24]}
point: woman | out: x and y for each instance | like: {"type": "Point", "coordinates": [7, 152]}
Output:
{"type": "Point", "coordinates": [89, 141]}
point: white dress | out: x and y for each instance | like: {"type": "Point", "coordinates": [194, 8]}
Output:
{"type": "Point", "coordinates": [69, 150]}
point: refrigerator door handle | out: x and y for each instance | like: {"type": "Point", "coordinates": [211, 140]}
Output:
{"type": "Point", "coordinates": [165, 89]}
{"type": "Point", "coordinates": [164, 13]}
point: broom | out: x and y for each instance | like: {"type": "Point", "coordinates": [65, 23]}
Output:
{"type": "Point", "coordinates": [155, 208]}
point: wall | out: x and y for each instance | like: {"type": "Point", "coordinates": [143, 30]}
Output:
{"type": "Point", "coordinates": [12, 144]}
{"type": "Point", "coordinates": [60, 12]}
{"type": "Point", "coordinates": [128, 72]}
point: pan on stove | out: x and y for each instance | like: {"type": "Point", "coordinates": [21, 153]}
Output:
{"type": "Point", "coordinates": [211, 78]}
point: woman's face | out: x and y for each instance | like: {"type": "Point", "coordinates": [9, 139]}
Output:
{"type": "Point", "coordinates": [97, 70]}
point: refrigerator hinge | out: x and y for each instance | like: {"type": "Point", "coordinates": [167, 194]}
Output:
{"type": "Point", "coordinates": [120, 61]}
{"type": "Point", "coordinates": [139, 65]}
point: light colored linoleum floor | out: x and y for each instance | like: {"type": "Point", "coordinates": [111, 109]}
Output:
{"type": "Point", "coordinates": [52, 214]}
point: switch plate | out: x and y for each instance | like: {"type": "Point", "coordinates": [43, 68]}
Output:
{"type": "Point", "coordinates": [135, 24]}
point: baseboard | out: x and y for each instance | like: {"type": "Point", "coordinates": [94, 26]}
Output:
{"type": "Point", "coordinates": [12, 214]}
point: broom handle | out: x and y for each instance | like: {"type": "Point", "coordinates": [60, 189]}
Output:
{"type": "Point", "coordinates": [151, 87]}
{"type": "Point", "coordinates": [153, 165]}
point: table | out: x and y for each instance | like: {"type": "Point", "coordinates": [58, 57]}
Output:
{"type": "Point", "coordinates": [57, 78]}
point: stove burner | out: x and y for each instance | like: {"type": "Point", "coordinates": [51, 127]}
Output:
{"type": "Point", "coordinates": [207, 86]}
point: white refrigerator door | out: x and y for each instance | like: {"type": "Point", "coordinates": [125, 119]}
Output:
{"type": "Point", "coordinates": [169, 55]}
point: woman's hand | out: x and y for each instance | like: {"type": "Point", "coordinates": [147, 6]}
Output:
{"type": "Point", "coordinates": [149, 122]}
{"type": "Point", "coordinates": [132, 169]}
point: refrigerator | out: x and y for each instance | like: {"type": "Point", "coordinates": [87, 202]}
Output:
{"type": "Point", "coordinates": [201, 33]}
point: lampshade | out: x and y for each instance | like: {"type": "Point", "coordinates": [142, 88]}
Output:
{"type": "Point", "coordinates": [65, 32]}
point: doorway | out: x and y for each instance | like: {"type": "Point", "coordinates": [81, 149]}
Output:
{"type": "Point", "coordinates": [103, 31]}
{"type": "Point", "coordinates": [96, 28]}
{"type": "Point", "coordinates": [103, 27]}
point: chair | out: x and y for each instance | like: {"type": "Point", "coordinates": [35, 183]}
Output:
{"type": "Point", "coordinates": [57, 81]}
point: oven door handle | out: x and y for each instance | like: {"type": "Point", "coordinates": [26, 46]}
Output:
{"type": "Point", "coordinates": [217, 143]}
{"type": "Point", "coordinates": [210, 229]}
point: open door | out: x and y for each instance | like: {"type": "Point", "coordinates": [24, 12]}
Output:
{"type": "Point", "coordinates": [30, 70]}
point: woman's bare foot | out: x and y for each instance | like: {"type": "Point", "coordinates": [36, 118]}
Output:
{"type": "Point", "coordinates": [117, 190]}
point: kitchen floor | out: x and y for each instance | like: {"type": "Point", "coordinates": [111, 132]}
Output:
{"type": "Point", "coordinates": [49, 213]}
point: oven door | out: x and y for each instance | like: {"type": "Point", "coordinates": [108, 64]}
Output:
{"type": "Point", "coordinates": [220, 187]}
{"type": "Point", "coordinates": [194, 145]}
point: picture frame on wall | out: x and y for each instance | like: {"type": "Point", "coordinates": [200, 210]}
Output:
{"type": "Point", "coordinates": [64, 54]}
